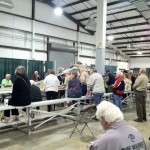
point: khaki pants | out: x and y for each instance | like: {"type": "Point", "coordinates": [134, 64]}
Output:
{"type": "Point", "coordinates": [140, 99]}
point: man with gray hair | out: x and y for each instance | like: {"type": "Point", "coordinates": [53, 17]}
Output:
{"type": "Point", "coordinates": [140, 88]}
{"type": "Point", "coordinates": [7, 81]}
{"type": "Point", "coordinates": [118, 134]}
{"type": "Point", "coordinates": [96, 85]}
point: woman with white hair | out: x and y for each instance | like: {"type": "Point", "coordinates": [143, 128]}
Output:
{"type": "Point", "coordinates": [118, 134]}
{"type": "Point", "coordinates": [118, 89]}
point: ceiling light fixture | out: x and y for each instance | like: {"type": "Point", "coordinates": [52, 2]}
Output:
{"type": "Point", "coordinates": [58, 10]}
{"type": "Point", "coordinates": [110, 38]}
{"type": "Point", "coordinates": [139, 53]}
{"type": "Point", "coordinates": [6, 4]}
{"type": "Point", "coordinates": [91, 24]}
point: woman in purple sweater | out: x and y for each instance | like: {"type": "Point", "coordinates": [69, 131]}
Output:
{"type": "Point", "coordinates": [74, 86]}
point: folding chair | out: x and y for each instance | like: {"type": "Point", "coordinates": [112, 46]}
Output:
{"type": "Point", "coordinates": [84, 118]}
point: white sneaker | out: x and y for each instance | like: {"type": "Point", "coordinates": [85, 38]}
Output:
{"type": "Point", "coordinates": [5, 119]}
{"type": "Point", "coordinates": [22, 115]}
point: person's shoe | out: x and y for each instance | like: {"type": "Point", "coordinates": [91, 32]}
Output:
{"type": "Point", "coordinates": [22, 115]}
{"type": "Point", "coordinates": [16, 118]}
{"type": "Point", "coordinates": [5, 119]}
{"type": "Point", "coordinates": [138, 120]}
{"type": "Point", "coordinates": [145, 119]}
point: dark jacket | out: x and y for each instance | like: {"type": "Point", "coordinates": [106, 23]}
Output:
{"type": "Point", "coordinates": [74, 88]}
{"type": "Point", "coordinates": [35, 94]}
{"type": "Point", "coordinates": [118, 86]}
{"type": "Point", "coordinates": [36, 78]}
{"type": "Point", "coordinates": [21, 92]}
{"type": "Point", "coordinates": [111, 79]}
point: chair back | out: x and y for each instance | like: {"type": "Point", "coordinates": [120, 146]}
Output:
{"type": "Point", "coordinates": [87, 113]}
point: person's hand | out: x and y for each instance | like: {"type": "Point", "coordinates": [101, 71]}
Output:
{"type": "Point", "coordinates": [89, 94]}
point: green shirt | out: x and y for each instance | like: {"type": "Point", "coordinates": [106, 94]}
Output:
{"type": "Point", "coordinates": [4, 81]}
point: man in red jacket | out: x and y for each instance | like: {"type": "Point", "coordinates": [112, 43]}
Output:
{"type": "Point", "coordinates": [118, 89]}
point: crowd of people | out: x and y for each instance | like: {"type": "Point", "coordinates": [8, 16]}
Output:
{"type": "Point", "coordinates": [81, 82]}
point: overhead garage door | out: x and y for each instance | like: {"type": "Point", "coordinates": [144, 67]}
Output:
{"type": "Point", "coordinates": [62, 55]}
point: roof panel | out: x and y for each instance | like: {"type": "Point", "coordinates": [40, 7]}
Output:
{"type": "Point", "coordinates": [65, 1]}
{"type": "Point", "coordinates": [126, 14]}
{"type": "Point", "coordinates": [119, 5]}
{"type": "Point", "coordinates": [142, 33]}
{"type": "Point", "coordinates": [111, 17]}
{"type": "Point", "coordinates": [133, 21]}
{"type": "Point", "coordinates": [78, 16]}
{"type": "Point", "coordinates": [141, 27]}
{"type": "Point", "coordinates": [115, 24]}
{"type": "Point", "coordinates": [92, 2]}
{"type": "Point", "coordinates": [68, 10]}
{"type": "Point", "coordinates": [79, 7]}
{"type": "Point", "coordinates": [88, 4]}
{"type": "Point", "coordinates": [119, 41]}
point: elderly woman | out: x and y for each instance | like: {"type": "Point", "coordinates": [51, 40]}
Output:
{"type": "Point", "coordinates": [51, 83]}
{"type": "Point", "coordinates": [20, 94]}
{"type": "Point", "coordinates": [118, 89]}
{"type": "Point", "coordinates": [74, 86]}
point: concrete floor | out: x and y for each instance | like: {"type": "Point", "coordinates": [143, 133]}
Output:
{"type": "Point", "coordinates": [55, 135]}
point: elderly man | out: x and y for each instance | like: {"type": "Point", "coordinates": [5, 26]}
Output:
{"type": "Point", "coordinates": [7, 82]}
{"type": "Point", "coordinates": [36, 76]}
{"type": "Point", "coordinates": [118, 134]}
{"type": "Point", "coordinates": [96, 85]}
{"type": "Point", "coordinates": [140, 88]}
{"type": "Point", "coordinates": [118, 89]}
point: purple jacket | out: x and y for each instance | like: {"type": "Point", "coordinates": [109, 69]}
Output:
{"type": "Point", "coordinates": [74, 88]}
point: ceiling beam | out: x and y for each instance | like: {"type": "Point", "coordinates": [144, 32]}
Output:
{"type": "Point", "coordinates": [137, 54]}
{"type": "Point", "coordinates": [127, 26]}
{"type": "Point", "coordinates": [94, 8]}
{"type": "Point", "coordinates": [131, 37]}
{"type": "Point", "coordinates": [51, 4]}
{"type": "Point", "coordinates": [135, 50]}
{"type": "Point", "coordinates": [134, 31]}
{"type": "Point", "coordinates": [74, 3]}
{"type": "Point", "coordinates": [130, 42]}
{"type": "Point", "coordinates": [124, 19]}
{"type": "Point", "coordinates": [84, 19]}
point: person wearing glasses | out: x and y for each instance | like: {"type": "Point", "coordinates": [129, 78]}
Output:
{"type": "Point", "coordinates": [6, 83]}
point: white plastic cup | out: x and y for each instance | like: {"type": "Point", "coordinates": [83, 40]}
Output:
{"type": "Point", "coordinates": [6, 102]}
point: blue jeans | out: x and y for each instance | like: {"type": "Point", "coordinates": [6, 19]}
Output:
{"type": "Point", "coordinates": [97, 98]}
{"type": "Point", "coordinates": [117, 100]}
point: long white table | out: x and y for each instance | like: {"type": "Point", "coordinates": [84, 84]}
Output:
{"type": "Point", "coordinates": [43, 103]}
{"type": "Point", "coordinates": [7, 90]}
{"type": "Point", "coordinates": [51, 115]}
